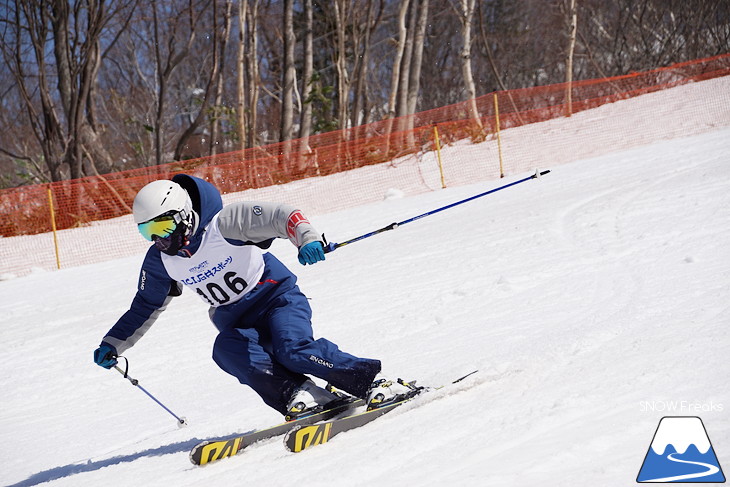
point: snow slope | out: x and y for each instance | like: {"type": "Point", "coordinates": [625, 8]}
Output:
{"type": "Point", "coordinates": [591, 301]}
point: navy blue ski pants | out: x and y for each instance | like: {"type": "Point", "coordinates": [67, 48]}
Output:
{"type": "Point", "coordinates": [271, 349]}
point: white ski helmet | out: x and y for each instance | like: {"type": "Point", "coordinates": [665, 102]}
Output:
{"type": "Point", "coordinates": [161, 197]}
{"type": "Point", "coordinates": [164, 215]}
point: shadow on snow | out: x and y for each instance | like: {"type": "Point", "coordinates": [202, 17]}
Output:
{"type": "Point", "coordinates": [90, 466]}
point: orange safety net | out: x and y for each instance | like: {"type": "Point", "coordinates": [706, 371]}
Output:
{"type": "Point", "coordinates": [78, 203]}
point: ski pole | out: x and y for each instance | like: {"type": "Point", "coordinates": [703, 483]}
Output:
{"type": "Point", "coordinates": [332, 246]}
{"type": "Point", "coordinates": [181, 422]}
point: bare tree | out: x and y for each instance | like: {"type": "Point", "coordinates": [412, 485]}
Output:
{"type": "Point", "coordinates": [82, 93]}
{"type": "Point", "coordinates": [635, 35]}
{"type": "Point", "coordinates": [572, 29]}
{"type": "Point", "coordinates": [486, 44]}
{"type": "Point", "coordinates": [288, 74]}
{"type": "Point", "coordinates": [70, 137]}
{"type": "Point", "coordinates": [398, 60]}
{"type": "Point", "coordinates": [252, 69]}
{"type": "Point", "coordinates": [218, 110]}
{"type": "Point", "coordinates": [362, 43]}
{"type": "Point", "coordinates": [410, 72]}
{"type": "Point", "coordinates": [465, 13]}
{"type": "Point", "coordinates": [342, 13]}
{"type": "Point", "coordinates": [305, 124]}
{"type": "Point", "coordinates": [405, 67]}
{"type": "Point", "coordinates": [167, 57]}
{"type": "Point", "coordinates": [414, 83]}
{"type": "Point", "coordinates": [241, 117]}
{"type": "Point", "coordinates": [218, 47]}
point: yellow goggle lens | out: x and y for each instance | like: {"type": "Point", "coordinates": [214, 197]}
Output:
{"type": "Point", "coordinates": [162, 226]}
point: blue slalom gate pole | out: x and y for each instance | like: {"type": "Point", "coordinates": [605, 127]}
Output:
{"type": "Point", "coordinates": [180, 420]}
{"type": "Point", "coordinates": [332, 246]}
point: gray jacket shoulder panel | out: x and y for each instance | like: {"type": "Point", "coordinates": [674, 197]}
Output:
{"type": "Point", "coordinates": [256, 222]}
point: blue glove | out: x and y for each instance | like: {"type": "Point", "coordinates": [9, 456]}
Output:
{"type": "Point", "coordinates": [311, 253]}
{"type": "Point", "coordinates": [105, 356]}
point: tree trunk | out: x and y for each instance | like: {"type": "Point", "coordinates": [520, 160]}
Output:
{"type": "Point", "coordinates": [162, 75]}
{"type": "Point", "coordinates": [414, 84]}
{"type": "Point", "coordinates": [288, 74]}
{"type": "Point", "coordinates": [572, 29]}
{"type": "Point", "coordinates": [493, 66]}
{"type": "Point", "coordinates": [219, 44]}
{"type": "Point", "coordinates": [217, 114]}
{"type": "Point", "coordinates": [343, 80]}
{"type": "Point", "coordinates": [46, 124]}
{"type": "Point", "coordinates": [241, 117]}
{"type": "Point", "coordinates": [253, 73]}
{"type": "Point", "coordinates": [164, 69]}
{"type": "Point", "coordinates": [395, 75]}
{"type": "Point", "coordinates": [70, 139]}
{"type": "Point", "coordinates": [405, 70]}
{"type": "Point", "coordinates": [305, 124]}
{"type": "Point", "coordinates": [359, 112]}
{"type": "Point", "coordinates": [165, 66]}
{"type": "Point", "coordinates": [466, 16]}
{"type": "Point", "coordinates": [101, 161]}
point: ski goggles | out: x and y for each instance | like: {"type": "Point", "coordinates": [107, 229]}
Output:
{"type": "Point", "coordinates": [163, 226]}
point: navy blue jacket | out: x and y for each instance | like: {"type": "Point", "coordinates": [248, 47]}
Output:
{"type": "Point", "coordinates": [156, 288]}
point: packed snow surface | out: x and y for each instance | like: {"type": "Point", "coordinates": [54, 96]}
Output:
{"type": "Point", "coordinates": [593, 301]}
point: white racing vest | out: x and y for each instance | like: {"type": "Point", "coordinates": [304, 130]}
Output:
{"type": "Point", "coordinates": [219, 272]}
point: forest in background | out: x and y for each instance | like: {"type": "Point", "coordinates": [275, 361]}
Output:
{"type": "Point", "coordinates": [90, 87]}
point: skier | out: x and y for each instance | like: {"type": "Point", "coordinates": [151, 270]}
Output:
{"type": "Point", "coordinates": [264, 321]}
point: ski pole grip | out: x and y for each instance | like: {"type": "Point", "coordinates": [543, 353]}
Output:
{"type": "Point", "coordinates": [330, 247]}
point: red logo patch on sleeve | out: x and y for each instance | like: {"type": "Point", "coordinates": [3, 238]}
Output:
{"type": "Point", "coordinates": [295, 219]}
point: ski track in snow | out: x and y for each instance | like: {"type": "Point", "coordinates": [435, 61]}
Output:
{"type": "Point", "coordinates": [577, 296]}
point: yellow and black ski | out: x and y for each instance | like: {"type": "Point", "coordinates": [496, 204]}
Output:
{"type": "Point", "coordinates": [302, 437]}
{"type": "Point", "coordinates": [216, 449]}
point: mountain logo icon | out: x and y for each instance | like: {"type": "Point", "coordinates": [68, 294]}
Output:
{"type": "Point", "coordinates": [681, 452]}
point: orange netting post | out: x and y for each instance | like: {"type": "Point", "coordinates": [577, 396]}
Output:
{"type": "Point", "coordinates": [499, 135]}
{"type": "Point", "coordinates": [437, 142]}
{"type": "Point", "coordinates": [53, 226]}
